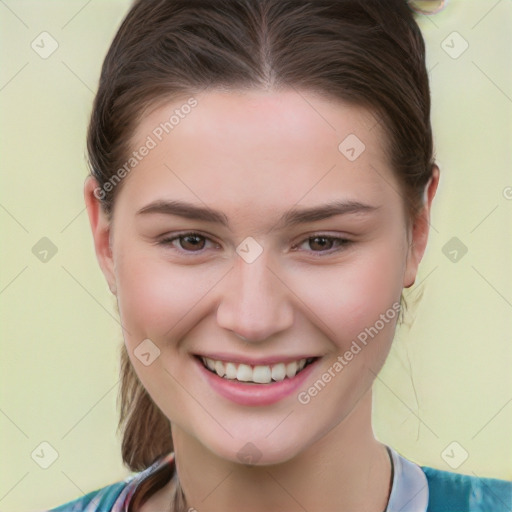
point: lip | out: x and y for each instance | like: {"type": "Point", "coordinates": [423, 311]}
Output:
{"type": "Point", "coordinates": [254, 394]}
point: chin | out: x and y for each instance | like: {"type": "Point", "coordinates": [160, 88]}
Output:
{"type": "Point", "coordinates": [260, 451]}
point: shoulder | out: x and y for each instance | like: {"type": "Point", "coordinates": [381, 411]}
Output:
{"type": "Point", "coordinates": [118, 496]}
{"type": "Point", "coordinates": [101, 500]}
{"type": "Point", "coordinates": [449, 492]}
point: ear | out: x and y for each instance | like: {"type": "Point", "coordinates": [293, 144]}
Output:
{"type": "Point", "coordinates": [100, 227]}
{"type": "Point", "coordinates": [420, 229]}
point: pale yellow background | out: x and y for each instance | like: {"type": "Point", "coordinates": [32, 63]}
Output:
{"type": "Point", "coordinates": [447, 379]}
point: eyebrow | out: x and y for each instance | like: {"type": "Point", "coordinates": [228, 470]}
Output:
{"type": "Point", "coordinates": [292, 217]}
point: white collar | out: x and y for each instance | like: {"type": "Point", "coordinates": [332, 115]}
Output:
{"type": "Point", "coordinates": [409, 492]}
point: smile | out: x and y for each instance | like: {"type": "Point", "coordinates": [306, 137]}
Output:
{"type": "Point", "coordinates": [259, 374]}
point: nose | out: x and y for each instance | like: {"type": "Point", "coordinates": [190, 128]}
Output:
{"type": "Point", "coordinates": [255, 303]}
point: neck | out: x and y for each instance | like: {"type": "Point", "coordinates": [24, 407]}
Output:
{"type": "Point", "coordinates": [346, 470]}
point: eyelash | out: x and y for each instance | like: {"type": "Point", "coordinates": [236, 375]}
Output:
{"type": "Point", "coordinates": [343, 243]}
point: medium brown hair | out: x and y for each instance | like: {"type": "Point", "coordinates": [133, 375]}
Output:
{"type": "Point", "coordinates": [368, 53]}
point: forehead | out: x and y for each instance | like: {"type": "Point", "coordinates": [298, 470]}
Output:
{"type": "Point", "coordinates": [259, 146]}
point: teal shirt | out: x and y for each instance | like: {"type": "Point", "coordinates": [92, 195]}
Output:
{"type": "Point", "coordinates": [452, 492]}
{"type": "Point", "coordinates": [414, 489]}
{"type": "Point", "coordinates": [101, 500]}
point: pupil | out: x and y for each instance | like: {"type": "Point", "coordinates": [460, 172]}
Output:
{"type": "Point", "coordinates": [194, 240]}
{"type": "Point", "coordinates": [323, 244]}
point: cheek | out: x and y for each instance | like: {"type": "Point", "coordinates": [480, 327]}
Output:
{"type": "Point", "coordinates": [154, 296]}
{"type": "Point", "coordinates": [351, 297]}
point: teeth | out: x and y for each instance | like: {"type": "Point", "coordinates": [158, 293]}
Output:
{"type": "Point", "coordinates": [291, 369]}
{"type": "Point", "coordinates": [261, 374]}
{"type": "Point", "coordinates": [244, 373]}
{"type": "Point", "coordinates": [279, 371]}
{"type": "Point", "coordinates": [231, 371]}
{"type": "Point", "coordinates": [219, 368]}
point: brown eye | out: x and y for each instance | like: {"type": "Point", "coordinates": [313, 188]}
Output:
{"type": "Point", "coordinates": [320, 243]}
{"type": "Point", "coordinates": [192, 242]}
{"type": "Point", "coordinates": [186, 242]}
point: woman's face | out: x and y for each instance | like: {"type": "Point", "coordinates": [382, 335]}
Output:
{"type": "Point", "coordinates": [305, 257]}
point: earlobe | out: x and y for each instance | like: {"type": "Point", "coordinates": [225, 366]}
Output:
{"type": "Point", "coordinates": [100, 228]}
{"type": "Point", "coordinates": [420, 231]}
